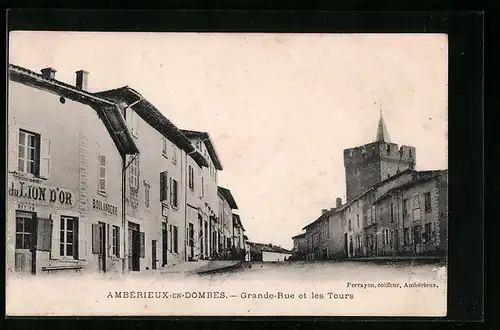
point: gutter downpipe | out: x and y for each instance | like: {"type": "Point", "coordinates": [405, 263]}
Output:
{"type": "Point", "coordinates": [124, 179]}
{"type": "Point", "coordinates": [185, 208]}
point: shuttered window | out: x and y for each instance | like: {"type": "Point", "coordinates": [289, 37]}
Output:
{"type": "Point", "coordinates": [24, 230]}
{"type": "Point", "coordinates": [164, 151]}
{"type": "Point", "coordinates": [164, 186]}
{"type": "Point", "coordinates": [174, 193]}
{"type": "Point", "coordinates": [102, 173]}
{"type": "Point", "coordinates": [134, 173]}
{"type": "Point", "coordinates": [174, 154]}
{"type": "Point", "coordinates": [191, 177]}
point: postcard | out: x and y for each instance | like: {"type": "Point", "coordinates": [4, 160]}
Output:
{"type": "Point", "coordinates": [227, 174]}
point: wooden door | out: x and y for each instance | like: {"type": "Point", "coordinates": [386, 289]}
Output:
{"type": "Point", "coordinates": [25, 249]}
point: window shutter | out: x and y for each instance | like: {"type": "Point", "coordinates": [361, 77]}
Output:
{"type": "Point", "coordinates": [171, 191]}
{"type": "Point", "coordinates": [96, 247]}
{"type": "Point", "coordinates": [129, 242]}
{"type": "Point", "coordinates": [109, 240]}
{"type": "Point", "coordinates": [143, 242]}
{"type": "Point", "coordinates": [44, 234]}
{"type": "Point", "coordinates": [82, 238]}
{"type": "Point", "coordinates": [162, 186]}
{"type": "Point", "coordinates": [55, 240]}
{"type": "Point", "coordinates": [119, 245]}
{"type": "Point", "coordinates": [76, 241]}
{"type": "Point", "coordinates": [13, 148]}
{"type": "Point", "coordinates": [102, 173]}
{"type": "Point", "coordinates": [45, 154]}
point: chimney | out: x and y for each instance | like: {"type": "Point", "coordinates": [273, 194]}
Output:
{"type": "Point", "coordinates": [82, 78]}
{"type": "Point", "coordinates": [49, 73]}
{"type": "Point", "coordinates": [338, 202]}
{"type": "Point", "coordinates": [323, 211]}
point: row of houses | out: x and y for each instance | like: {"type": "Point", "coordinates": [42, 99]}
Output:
{"type": "Point", "coordinates": [392, 210]}
{"type": "Point", "coordinates": [104, 182]}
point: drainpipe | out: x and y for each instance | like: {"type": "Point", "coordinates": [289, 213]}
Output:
{"type": "Point", "coordinates": [124, 178]}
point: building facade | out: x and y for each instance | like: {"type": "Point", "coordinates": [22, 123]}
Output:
{"type": "Point", "coordinates": [391, 208]}
{"type": "Point", "coordinates": [299, 246]}
{"type": "Point", "coordinates": [65, 162]}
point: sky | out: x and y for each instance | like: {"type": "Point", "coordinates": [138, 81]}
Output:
{"type": "Point", "coordinates": [280, 108]}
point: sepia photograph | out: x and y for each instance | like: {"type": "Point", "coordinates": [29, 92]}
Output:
{"type": "Point", "coordinates": [227, 174]}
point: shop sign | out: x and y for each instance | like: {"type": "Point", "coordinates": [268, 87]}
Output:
{"type": "Point", "coordinates": [40, 194]}
{"type": "Point", "coordinates": [104, 207]}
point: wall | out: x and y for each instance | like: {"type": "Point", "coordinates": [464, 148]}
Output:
{"type": "Point", "coordinates": [274, 256]}
{"type": "Point", "coordinates": [76, 136]}
{"type": "Point", "coordinates": [318, 240]}
{"type": "Point", "coordinates": [369, 164]}
{"type": "Point", "coordinates": [152, 162]}
{"type": "Point", "coordinates": [336, 235]}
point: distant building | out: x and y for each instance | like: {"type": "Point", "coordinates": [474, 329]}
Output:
{"type": "Point", "coordinates": [391, 209]}
{"type": "Point", "coordinates": [299, 246]}
{"type": "Point", "coordinates": [268, 252]}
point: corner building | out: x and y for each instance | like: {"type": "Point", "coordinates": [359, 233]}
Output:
{"type": "Point", "coordinates": [66, 149]}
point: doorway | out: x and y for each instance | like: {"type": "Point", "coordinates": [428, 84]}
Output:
{"type": "Point", "coordinates": [101, 256]}
{"type": "Point", "coordinates": [153, 254]}
{"type": "Point", "coordinates": [164, 243]}
{"type": "Point", "coordinates": [25, 250]}
{"type": "Point", "coordinates": [134, 247]}
{"type": "Point", "coordinates": [191, 242]}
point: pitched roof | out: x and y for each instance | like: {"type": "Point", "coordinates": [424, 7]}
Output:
{"type": "Point", "coordinates": [299, 235]}
{"type": "Point", "coordinates": [382, 134]}
{"type": "Point", "coordinates": [269, 248]}
{"type": "Point", "coordinates": [205, 137]}
{"type": "Point", "coordinates": [322, 217]}
{"type": "Point", "coordinates": [149, 113]}
{"type": "Point", "coordinates": [226, 193]}
{"type": "Point", "coordinates": [237, 221]}
{"type": "Point", "coordinates": [421, 177]}
{"type": "Point", "coordinates": [109, 111]}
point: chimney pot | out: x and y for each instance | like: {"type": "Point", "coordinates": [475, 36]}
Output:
{"type": "Point", "coordinates": [49, 73]}
{"type": "Point", "coordinates": [82, 78]}
{"type": "Point", "coordinates": [338, 202]}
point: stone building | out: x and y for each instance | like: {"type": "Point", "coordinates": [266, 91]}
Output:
{"type": "Point", "coordinates": [66, 155]}
{"type": "Point", "coordinates": [391, 208]}
{"type": "Point", "coordinates": [373, 162]}
{"type": "Point", "coordinates": [226, 206]}
{"type": "Point", "coordinates": [157, 185]}
{"type": "Point", "coordinates": [207, 225]}
{"type": "Point", "coordinates": [299, 246]}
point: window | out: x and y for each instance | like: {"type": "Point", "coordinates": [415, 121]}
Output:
{"type": "Point", "coordinates": [175, 239]}
{"type": "Point", "coordinates": [24, 230]}
{"type": "Point", "coordinates": [102, 174]}
{"type": "Point", "coordinates": [417, 234]}
{"type": "Point", "coordinates": [68, 236]}
{"type": "Point", "coordinates": [386, 237]}
{"type": "Point", "coordinates": [358, 242]}
{"type": "Point", "coordinates": [428, 232]}
{"type": "Point", "coordinates": [134, 123]}
{"type": "Point", "coordinates": [369, 217]}
{"type": "Point", "coordinates": [115, 244]}
{"type": "Point", "coordinates": [349, 224]}
{"type": "Point", "coordinates": [202, 190]}
{"type": "Point", "coordinates": [191, 177]}
{"type": "Point", "coordinates": [392, 212]}
{"type": "Point", "coordinates": [406, 236]}
{"type": "Point", "coordinates": [134, 172]}
{"type": "Point", "coordinates": [170, 238]}
{"type": "Point", "coordinates": [164, 150]}
{"type": "Point", "coordinates": [173, 193]}
{"type": "Point", "coordinates": [416, 207]}
{"type": "Point", "coordinates": [174, 155]}
{"type": "Point", "coordinates": [405, 207]}
{"type": "Point", "coordinates": [427, 197]}
{"type": "Point", "coordinates": [163, 186]}
{"type": "Point", "coordinates": [357, 219]}
{"type": "Point", "coordinates": [29, 153]}
{"type": "Point", "coordinates": [373, 214]}
{"type": "Point", "coordinates": [146, 195]}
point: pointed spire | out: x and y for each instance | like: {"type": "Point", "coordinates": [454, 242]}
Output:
{"type": "Point", "coordinates": [382, 134]}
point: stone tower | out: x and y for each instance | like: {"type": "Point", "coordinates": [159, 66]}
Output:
{"type": "Point", "coordinates": [374, 162]}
